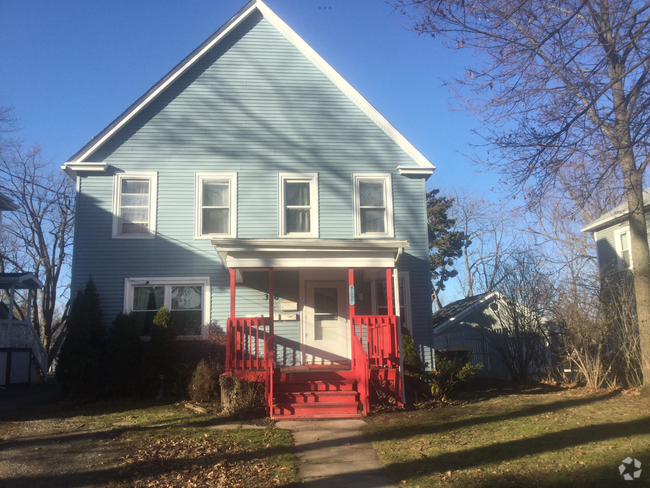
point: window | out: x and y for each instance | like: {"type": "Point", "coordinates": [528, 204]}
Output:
{"type": "Point", "coordinates": [380, 303]}
{"type": "Point", "coordinates": [373, 205]}
{"type": "Point", "coordinates": [216, 205]}
{"type": "Point", "coordinates": [298, 205]}
{"type": "Point", "coordinates": [134, 205]}
{"type": "Point", "coordinates": [623, 251]}
{"type": "Point", "coordinates": [186, 298]}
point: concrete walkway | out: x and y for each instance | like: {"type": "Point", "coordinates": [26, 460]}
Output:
{"type": "Point", "coordinates": [336, 453]}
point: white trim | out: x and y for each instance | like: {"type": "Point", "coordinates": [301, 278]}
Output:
{"type": "Point", "coordinates": [388, 201]}
{"type": "Point", "coordinates": [198, 197]}
{"type": "Point", "coordinates": [411, 171]}
{"type": "Point", "coordinates": [374, 306]}
{"type": "Point", "coordinates": [344, 86]}
{"type": "Point", "coordinates": [72, 168]}
{"type": "Point", "coordinates": [297, 253]}
{"type": "Point", "coordinates": [619, 248]}
{"type": "Point", "coordinates": [299, 43]}
{"type": "Point", "coordinates": [168, 282]}
{"type": "Point", "coordinates": [312, 179]}
{"type": "Point", "coordinates": [153, 192]}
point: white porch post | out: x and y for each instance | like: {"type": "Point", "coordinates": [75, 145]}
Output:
{"type": "Point", "coordinates": [399, 330]}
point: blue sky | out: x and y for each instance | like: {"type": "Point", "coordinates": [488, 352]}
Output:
{"type": "Point", "coordinates": [69, 67]}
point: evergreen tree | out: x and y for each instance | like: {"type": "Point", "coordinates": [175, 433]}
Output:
{"type": "Point", "coordinates": [81, 360]}
{"type": "Point", "coordinates": [445, 244]}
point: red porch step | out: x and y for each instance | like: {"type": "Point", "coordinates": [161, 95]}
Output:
{"type": "Point", "coordinates": [301, 396]}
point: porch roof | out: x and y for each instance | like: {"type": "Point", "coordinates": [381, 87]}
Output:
{"type": "Point", "coordinates": [309, 253]}
{"type": "Point", "coordinates": [20, 281]}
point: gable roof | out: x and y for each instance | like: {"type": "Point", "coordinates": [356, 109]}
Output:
{"type": "Point", "coordinates": [6, 203]}
{"type": "Point", "coordinates": [453, 312]}
{"type": "Point", "coordinates": [617, 215]}
{"type": "Point", "coordinates": [82, 161]}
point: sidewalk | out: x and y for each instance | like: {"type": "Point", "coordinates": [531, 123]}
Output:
{"type": "Point", "coordinates": [335, 453]}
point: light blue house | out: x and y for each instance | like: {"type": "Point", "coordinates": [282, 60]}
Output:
{"type": "Point", "coordinates": [254, 187]}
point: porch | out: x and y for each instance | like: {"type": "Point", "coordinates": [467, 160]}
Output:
{"type": "Point", "coordinates": [320, 348]}
{"type": "Point", "coordinates": [22, 354]}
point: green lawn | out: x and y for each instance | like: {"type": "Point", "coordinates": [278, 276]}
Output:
{"type": "Point", "coordinates": [535, 438]}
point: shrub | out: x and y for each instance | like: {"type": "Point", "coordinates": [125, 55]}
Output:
{"type": "Point", "coordinates": [452, 369]}
{"type": "Point", "coordinates": [416, 382]}
{"type": "Point", "coordinates": [204, 382]}
{"type": "Point", "coordinates": [160, 355]}
{"type": "Point", "coordinates": [246, 397]}
{"type": "Point", "coordinates": [125, 355]}
{"type": "Point", "coordinates": [81, 365]}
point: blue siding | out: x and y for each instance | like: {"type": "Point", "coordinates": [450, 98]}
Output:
{"type": "Point", "coordinates": [256, 106]}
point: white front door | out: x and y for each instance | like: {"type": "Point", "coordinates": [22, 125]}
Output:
{"type": "Point", "coordinates": [325, 325]}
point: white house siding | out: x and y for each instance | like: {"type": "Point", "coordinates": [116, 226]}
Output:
{"type": "Point", "coordinates": [256, 106]}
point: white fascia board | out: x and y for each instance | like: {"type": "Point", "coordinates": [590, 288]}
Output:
{"type": "Point", "coordinates": [326, 261]}
{"type": "Point", "coordinates": [411, 171]}
{"type": "Point", "coordinates": [438, 330]}
{"type": "Point", "coordinates": [343, 85]}
{"type": "Point", "coordinates": [300, 44]}
{"type": "Point", "coordinates": [72, 168]}
{"type": "Point", "coordinates": [181, 68]}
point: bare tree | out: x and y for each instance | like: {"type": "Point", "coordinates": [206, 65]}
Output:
{"type": "Point", "coordinates": [559, 84]}
{"type": "Point", "coordinates": [38, 236]}
{"type": "Point", "coordinates": [491, 240]}
{"type": "Point", "coordinates": [522, 336]}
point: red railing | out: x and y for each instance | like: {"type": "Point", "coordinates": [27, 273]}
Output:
{"type": "Point", "coordinates": [381, 333]}
{"type": "Point", "coordinates": [248, 340]}
{"type": "Point", "coordinates": [360, 368]}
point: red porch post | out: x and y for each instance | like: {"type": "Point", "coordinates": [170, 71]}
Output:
{"type": "Point", "coordinates": [389, 290]}
{"type": "Point", "coordinates": [230, 329]}
{"type": "Point", "coordinates": [351, 287]}
{"type": "Point", "coordinates": [269, 351]}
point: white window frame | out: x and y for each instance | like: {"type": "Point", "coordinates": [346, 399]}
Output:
{"type": "Point", "coordinates": [153, 193]}
{"type": "Point", "coordinates": [404, 277]}
{"type": "Point", "coordinates": [619, 249]}
{"type": "Point", "coordinates": [202, 281]}
{"type": "Point", "coordinates": [312, 179]}
{"type": "Point", "coordinates": [198, 200]}
{"type": "Point", "coordinates": [388, 199]}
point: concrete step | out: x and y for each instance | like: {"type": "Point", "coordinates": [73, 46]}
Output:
{"type": "Point", "coordinates": [318, 416]}
{"type": "Point", "coordinates": [320, 385]}
{"type": "Point", "coordinates": [315, 396]}
{"type": "Point", "coordinates": [330, 408]}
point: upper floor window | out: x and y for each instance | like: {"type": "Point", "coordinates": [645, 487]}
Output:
{"type": "Point", "coordinates": [298, 205]}
{"type": "Point", "coordinates": [373, 205]}
{"type": "Point", "coordinates": [216, 202]}
{"type": "Point", "coordinates": [623, 250]}
{"type": "Point", "coordinates": [134, 205]}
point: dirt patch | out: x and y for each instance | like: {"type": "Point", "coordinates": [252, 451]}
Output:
{"type": "Point", "coordinates": [58, 453]}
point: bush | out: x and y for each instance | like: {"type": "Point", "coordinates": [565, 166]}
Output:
{"type": "Point", "coordinates": [81, 364]}
{"type": "Point", "coordinates": [246, 397]}
{"type": "Point", "coordinates": [452, 369]}
{"type": "Point", "coordinates": [204, 383]}
{"type": "Point", "coordinates": [160, 357]}
{"type": "Point", "coordinates": [125, 355]}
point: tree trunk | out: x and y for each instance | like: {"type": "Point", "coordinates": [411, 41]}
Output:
{"type": "Point", "coordinates": [640, 262]}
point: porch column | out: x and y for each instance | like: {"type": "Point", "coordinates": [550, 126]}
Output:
{"type": "Point", "coordinates": [231, 330]}
{"type": "Point", "coordinates": [350, 290]}
{"type": "Point", "coordinates": [232, 293]}
{"type": "Point", "coordinates": [271, 299]}
{"type": "Point", "coordinates": [389, 290]}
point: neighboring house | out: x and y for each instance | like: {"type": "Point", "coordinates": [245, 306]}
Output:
{"type": "Point", "coordinates": [612, 236]}
{"type": "Point", "coordinates": [254, 188]}
{"type": "Point", "coordinates": [466, 324]}
{"type": "Point", "coordinates": [5, 205]}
